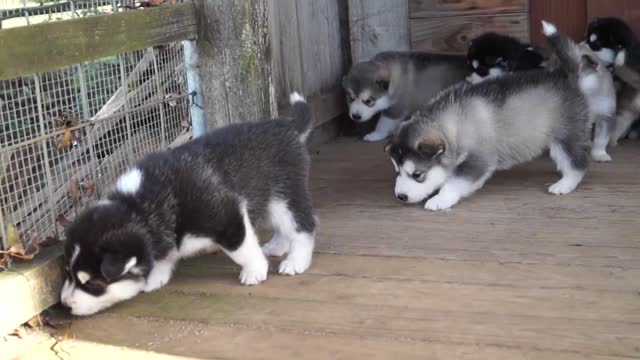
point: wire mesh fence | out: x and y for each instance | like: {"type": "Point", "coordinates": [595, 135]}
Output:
{"type": "Point", "coordinates": [66, 135]}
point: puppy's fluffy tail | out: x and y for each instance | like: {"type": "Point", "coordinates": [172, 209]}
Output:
{"type": "Point", "coordinates": [301, 114]}
{"type": "Point", "coordinates": [566, 50]}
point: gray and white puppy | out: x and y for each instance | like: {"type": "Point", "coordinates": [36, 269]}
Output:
{"type": "Point", "coordinates": [209, 193]}
{"type": "Point", "coordinates": [594, 80]}
{"type": "Point", "coordinates": [395, 84]}
{"type": "Point", "coordinates": [463, 136]}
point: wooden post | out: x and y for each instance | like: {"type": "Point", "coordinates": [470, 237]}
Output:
{"type": "Point", "coordinates": [378, 25]}
{"type": "Point", "coordinates": [235, 60]}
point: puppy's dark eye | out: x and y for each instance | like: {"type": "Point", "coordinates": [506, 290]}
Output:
{"type": "Point", "coordinates": [350, 98]}
{"type": "Point", "coordinates": [418, 176]}
{"type": "Point", "coordinates": [370, 102]}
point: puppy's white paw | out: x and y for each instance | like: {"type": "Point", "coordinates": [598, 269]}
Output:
{"type": "Point", "coordinates": [442, 201]}
{"type": "Point", "coordinates": [295, 264]}
{"type": "Point", "coordinates": [375, 136]}
{"type": "Point", "coordinates": [600, 156]}
{"type": "Point", "coordinates": [254, 274]}
{"type": "Point", "coordinates": [548, 29]}
{"type": "Point", "coordinates": [562, 187]}
{"type": "Point", "coordinates": [277, 246]}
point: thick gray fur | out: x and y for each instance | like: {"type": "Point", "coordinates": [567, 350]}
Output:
{"type": "Point", "coordinates": [408, 79]}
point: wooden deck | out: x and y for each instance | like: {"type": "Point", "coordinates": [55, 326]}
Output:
{"type": "Point", "coordinates": [511, 273]}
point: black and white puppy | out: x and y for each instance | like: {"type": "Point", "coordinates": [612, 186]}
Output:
{"type": "Point", "coordinates": [610, 38]}
{"type": "Point", "coordinates": [209, 193]}
{"type": "Point", "coordinates": [492, 55]}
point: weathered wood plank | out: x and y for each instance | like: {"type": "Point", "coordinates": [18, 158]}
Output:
{"type": "Point", "coordinates": [493, 274]}
{"type": "Point", "coordinates": [452, 34]}
{"type": "Point", "coordinates": [439, 8]}
{"type": "Point", "coordinates": [293, 312]}
{"type": "Point", "coordinates": [308, 53]}
{"type": "Point", "coordinates": [512, 219]}
{"type": "Point", "coordinates": [377, 25]}
{"type": "Point", "coordinates": [29, 288]}
{"type": "Point", "coordinates": [569, 16]}
{"type": "Point", "coordinates": [204, 340]}
{"type": "Point", "coordinates": [75, 41]}
{"type": "Point", "coordinates": [235, 66]}
{"type": "Point", "coordinates": [320, 45]}
{"type": "Point", "coordinates": [621, 306]}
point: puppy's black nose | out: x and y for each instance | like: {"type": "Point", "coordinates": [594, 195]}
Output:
{"type": "Point", "coordinates": [356, 116]}
{"type": "Point", "coordinates": [402, 197]}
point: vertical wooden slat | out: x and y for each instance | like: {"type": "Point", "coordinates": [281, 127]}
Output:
{"type": "Point", "coordinates": [378, 25]}
{"type": "Point", "coordinates": [569, 15]}
{"type": "Point", "coordinates": [235, 60]}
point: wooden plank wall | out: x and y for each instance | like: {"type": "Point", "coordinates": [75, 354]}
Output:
{"type": "Point", "coordinates": [377, 25]}
{"type": "Point", "coordinates": [573, 15]}
{"type": "Point", "coordinates": [308, 53]}
{"type": "Point", "coordinates": [568, 15]}
{"type": "Point", "coordinates": [446, 26]}
{"type": "Point", "coordinates": [628, 10]}
{"type": "Point", "coordinates": [233, 43]}
{"type": "Point", "coordinates": [71, 42]}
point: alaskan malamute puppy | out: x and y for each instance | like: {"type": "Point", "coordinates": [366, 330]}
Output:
{"type": "Point", "coordinates": [469, 131]}
{"type": "Point", "coordinates": [207, 194]}
{"type": "Point", "coordinates": [395, 84]}
{"type": "Point", "coordinates": [594, 80]}
{"type": "Point", "coordinates": [492, 55]}
{"type": "Point", "coordinates": [608, 37]}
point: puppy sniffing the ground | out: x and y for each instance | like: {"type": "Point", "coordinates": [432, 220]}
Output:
{"type": "Point", "coordinates": [207, 194]}
{"type": "Point", "coordinates": [468, 132]}
{"type": "Point", "coordinates": [395, 84]}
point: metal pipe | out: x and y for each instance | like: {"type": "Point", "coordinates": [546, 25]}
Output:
{"type": "Point", "coordinates": [196, 100]}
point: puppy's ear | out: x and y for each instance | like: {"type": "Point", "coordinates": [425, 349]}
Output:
{"type": "Point", "coordinates": [431, 146]}
{"type": "Point", "coordinates": [115, 266]}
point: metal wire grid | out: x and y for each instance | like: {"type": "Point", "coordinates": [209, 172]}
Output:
{"type": "Point", "coordinates": [28, 12]}
{"type": "Point", "coordinates": [66, 135]}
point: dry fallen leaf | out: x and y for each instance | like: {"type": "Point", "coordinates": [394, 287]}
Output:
{"type": "Point", "coordinates": [16, 247]}
{"type": "Point", "coordinates": [35, 322]}
{"type": "Point", "coordinates": [89, 187]}
{"type": "Point", "coordinates": [13, 237]}
{"type": "Point", "coordinates": [18, 332]}
{"type": "Point", "coordinates": [62, 220]}
{"type": "Point", "coordinates": [64, 142]}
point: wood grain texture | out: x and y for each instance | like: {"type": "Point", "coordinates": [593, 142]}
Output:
{"type": "Point", "coordinates": [70, 42]}
{"type": "Point", "coordinates": [452, 34]}
{"type": "Point", "coordinates": [568, 15]}
{"type": "Point", "coordinates": [235, 58]}
{"type": "Point", "coordinates": [308, 52]}
{"type": "Point", "coordinates": [377, 25]}
{"type": "Point", "coordinates": [510, 273]}
{"type": "Point", "coordinates": [438, 8]}
{"type": "Point", "coordinates": [30, 288]}
{"type": "Point", "coordinates": [628, 10]}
